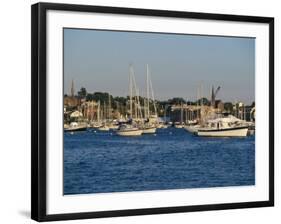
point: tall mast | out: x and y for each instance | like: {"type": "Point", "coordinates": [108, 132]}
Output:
{"type": "Point", "coordinates": [153, 99]}
{"type": "Point", "coordinates": [109, 106]}
{"type": "Point", "coordinates": [201, 103]}
{"type": "Point", "coordinates": [197, 104]}
{"type": "Point", "coordinates": [138, 103]}
{"type": "Point", "coordinates": [104, 110]}
{"type": "Point", "coordinates": [165, 108]}
{"type": "Point", "coordinates": [98, 114]}
{"type": "Point", "coordinates": [131, 91]}
{"type": "Point", "coordinates": [201, 93]}
{"type": "Point", "coordinates": [181, 113]}
{"type": "Point", "coordinates": [147, 90]}
{"type": "Point", "coordinates": [186, 111]}
{"type": "Point", "coordinates": [135, 93]}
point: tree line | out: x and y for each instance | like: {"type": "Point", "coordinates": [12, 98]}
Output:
{"type": "Point", "coordinates": [121, 103]}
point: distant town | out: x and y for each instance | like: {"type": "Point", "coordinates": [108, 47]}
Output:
{"type": "Point", "coordinates": [176, 110]}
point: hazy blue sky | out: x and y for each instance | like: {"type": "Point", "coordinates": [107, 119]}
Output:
{"type": "Point", "coordinates": [99, 61]}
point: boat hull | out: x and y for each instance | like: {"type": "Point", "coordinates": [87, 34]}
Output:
{"type": "Point", "coordinates": [148, 130]}
{"type": "Point", "coordinates": [226, 132]}
{"type": "Point", "coordinates": [178, 126]}
{"type": "Point", "coordinates": [129, 133]}
{"type": "Point", "coordinates": [191, 129]}
{"type": "Point", "coordinates": [103, 128]}
{"type": "Point", "coordinates": [113, 127]}
{"type": "Point", "coordinates": [75, 129]}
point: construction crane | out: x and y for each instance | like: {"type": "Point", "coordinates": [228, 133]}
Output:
{"type": "Point", "coordinates": [213, 96]}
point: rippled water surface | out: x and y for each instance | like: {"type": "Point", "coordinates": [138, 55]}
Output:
{"type": "Point", "coordinates": [96, 162]}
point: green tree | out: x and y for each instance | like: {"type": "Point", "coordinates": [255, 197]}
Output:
{"type": "Point", "coordinates": [228, 106]}
{"type": "Point", "coordinates": [82, 93]}
{"type": "Point", "coordinates": [176, 100]}
{"type": "Point", "coordinates": [203, 100]}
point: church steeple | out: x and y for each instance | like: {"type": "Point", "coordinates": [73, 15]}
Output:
{"type": "Point", "coordinates": [72, 88]}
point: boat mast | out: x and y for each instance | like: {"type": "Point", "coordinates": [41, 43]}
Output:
{"type": "Point", "coordinates": [201, 92]}
{"type": "Point", "coordinates": [165, 115]}
{"type": "Point", "coordinates": [98, 114]}
{"type": "Point", "coordinates": [138, 103]}
{"type": "Point", "coordinates": [186, 116]}
{"type": "Point", "coordinates": [104, 110]}
{"type": "Point", "coordinates": [152, 94]}
{"type": "Point", "coordinates": [201, 101]}
{"type": "Point", "coordinates": [136, 93]}
{"type": "Point", "coordinates": [147, 90]}
{"type": "Point", "coordinates": [131, 91]}
{"type": "Point", "coordinates": [92, 109]}
{"type": "Point", "coordinates": [197, 105]}
{"type": "Point", "coordinates": [181, 113]}
{"type": "Point", "coordinates": [109, 107]}
{"type": "Point", "coordinates": [134, 89]}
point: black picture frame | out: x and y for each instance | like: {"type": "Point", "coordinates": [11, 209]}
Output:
{"type": "Point", "coordinates": [38, 110]}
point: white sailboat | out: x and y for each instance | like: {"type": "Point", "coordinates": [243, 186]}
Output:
{"type": "Point", "coordinates": [103, 128]}
{"type": "Point", "coordinates": [75, 126]}
{"type": "Point", "coordinates": [148, 129]}
{"type": "Point", "coordinates": [130, 129]}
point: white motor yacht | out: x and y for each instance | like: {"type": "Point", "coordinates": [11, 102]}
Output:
{"type": "Point", "coordinates": [224, 127]}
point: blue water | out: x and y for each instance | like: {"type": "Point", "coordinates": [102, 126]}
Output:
{"type": "Point", "coordinates": [96, 162]}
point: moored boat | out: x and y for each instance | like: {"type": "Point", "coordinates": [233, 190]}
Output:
{"type": "Point", "coordinates": [113, 126]}
{"type": "Point", "coordinates": [103, 128]}
{"type": "Point", "coordinates": [223, 132]}
{"type": "Point", "coordinates": [75, 126]}
{"type": "Point", "coordinates": [128, 130]}
{"type": "Point", "coordinates": [224, 127]}
{"type": "Point", "coordinates": [148, 130]}
{"type": "Point", "coordinates": [192, 128]}
{"type": "Point", "coordinates": [178, 125]}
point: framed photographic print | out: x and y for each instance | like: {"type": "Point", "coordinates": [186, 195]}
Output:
{"type": "Point", "coordinates": [140, 111]}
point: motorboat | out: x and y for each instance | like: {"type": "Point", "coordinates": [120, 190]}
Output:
{"type": "Point", "coordinates": [224, 127]}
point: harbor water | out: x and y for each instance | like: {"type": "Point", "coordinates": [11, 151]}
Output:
{"type": "Point", "coordinates": [100, 162]}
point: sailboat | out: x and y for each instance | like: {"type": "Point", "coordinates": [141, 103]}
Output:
{"type": "Point", "coordinates": [75, 126]}
{"type": "Point", "coordinates": [103, 128]}
{"type": "Point", "coordinates": [129, 128]}
{"type": "Point", "coordinates": [78, 124]}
